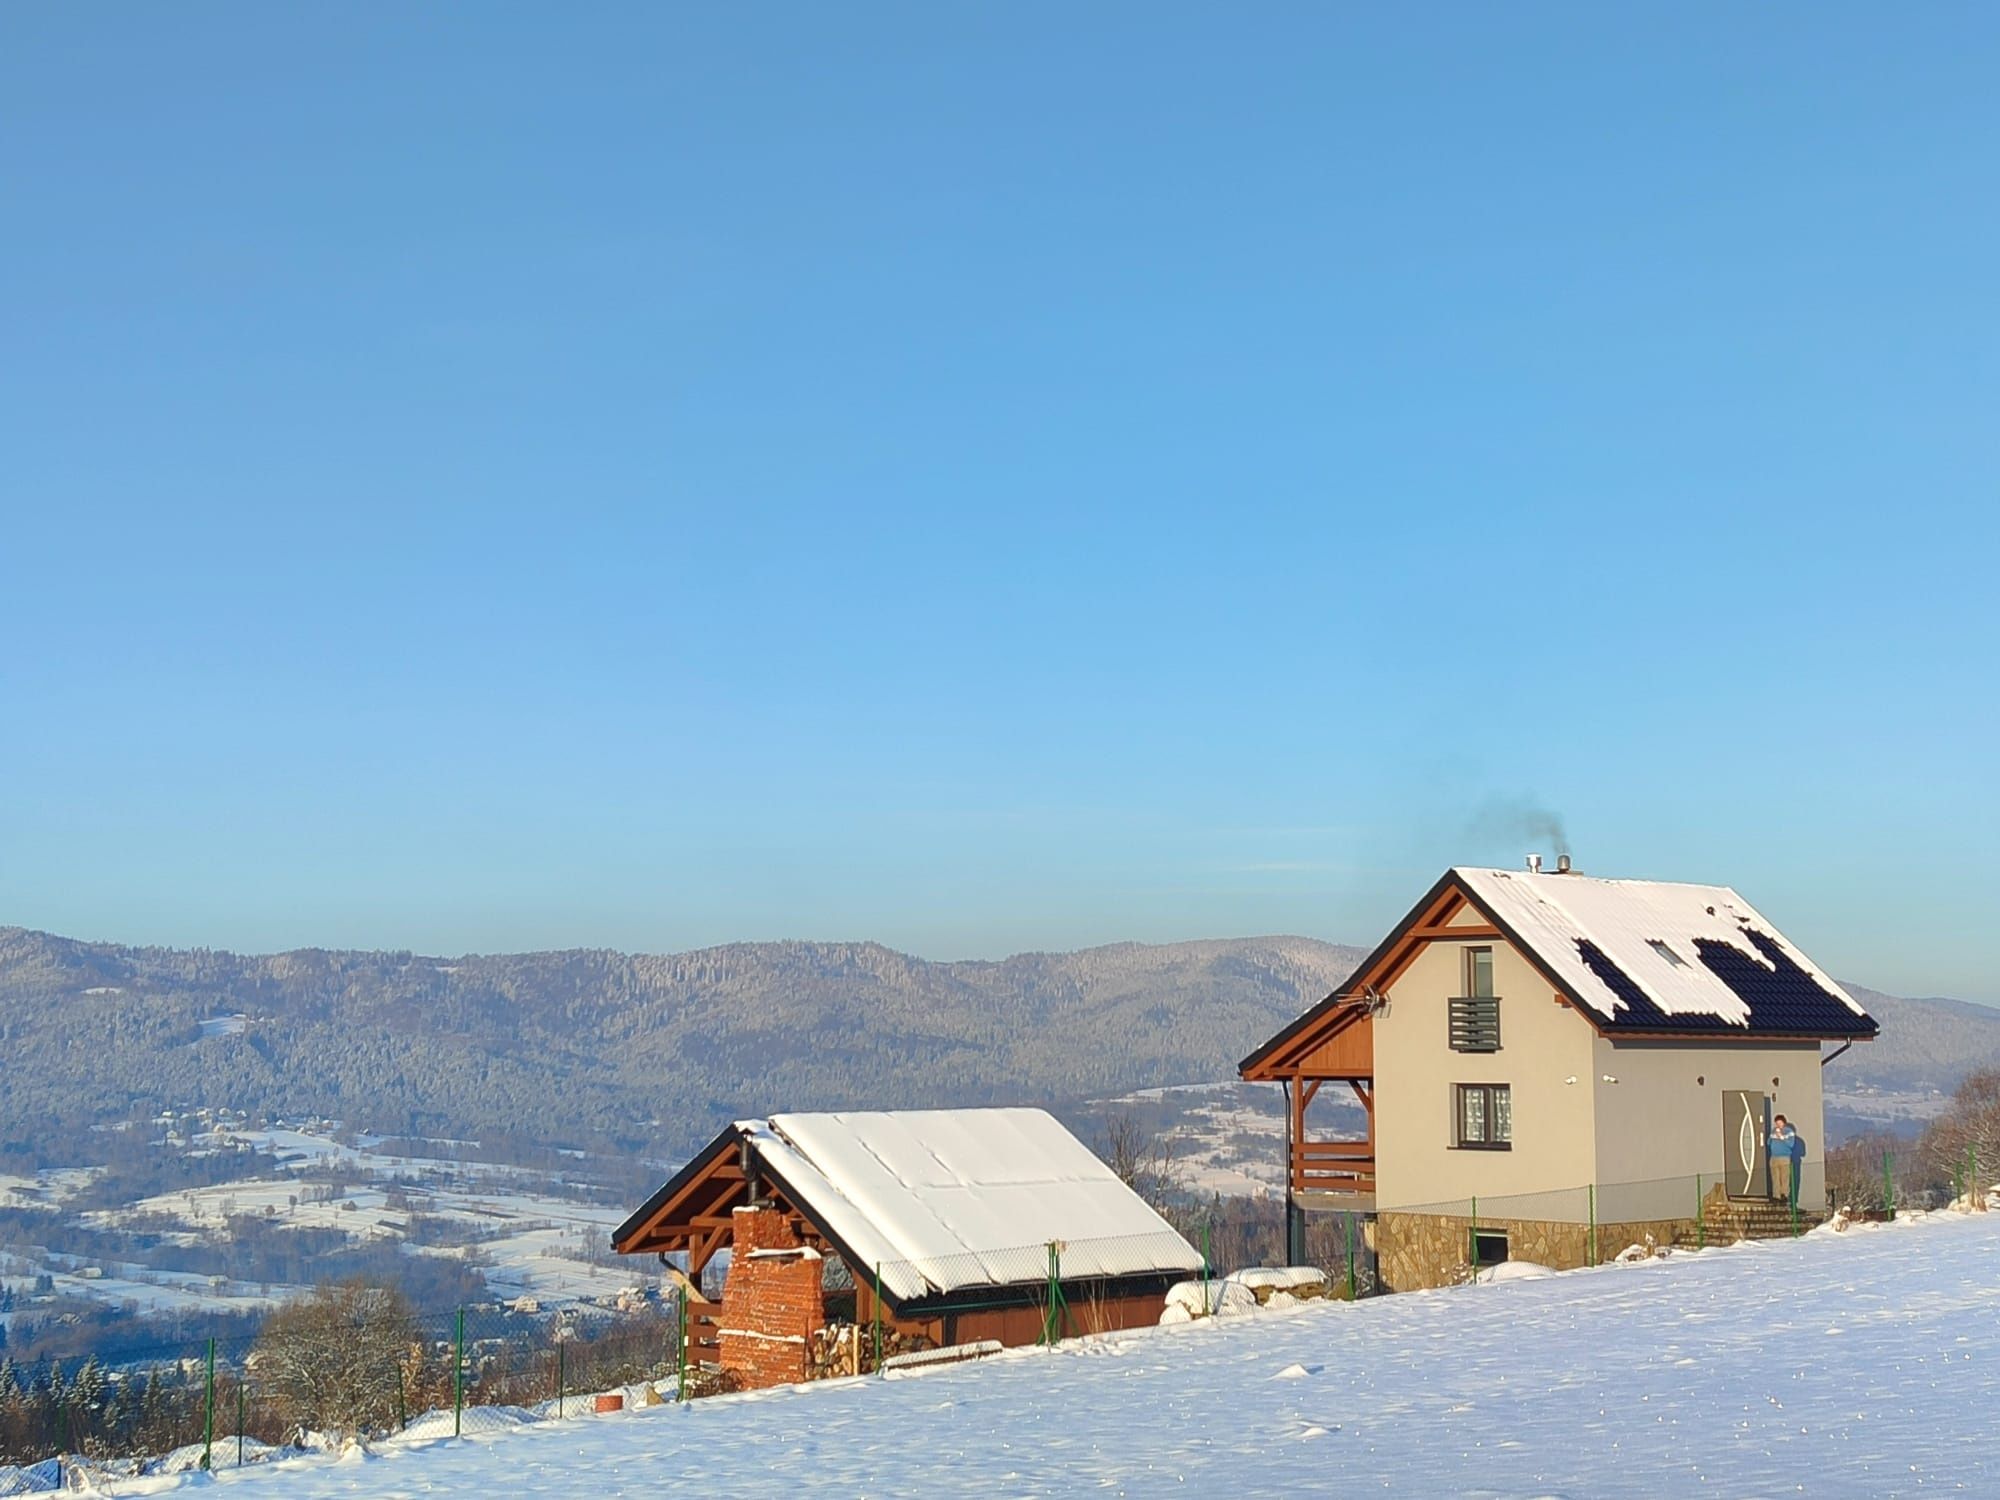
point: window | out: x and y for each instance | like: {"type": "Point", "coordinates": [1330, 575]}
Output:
{"type": "Point", "coordinates": [1489, 1246]}
{"type": "Point", "coordinates": [1479, 972]}
{"type": "Point", "coordinates": [1667, 953]}
{"type": "Point", "coordinates": [1475, 1015]}
{"type": "Point", "coordinates": [1485, 1116]}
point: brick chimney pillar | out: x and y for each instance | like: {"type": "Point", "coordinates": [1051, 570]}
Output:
{"type": "Point", "coordinates": [772, 1302]}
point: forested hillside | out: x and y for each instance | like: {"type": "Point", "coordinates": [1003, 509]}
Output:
{"type": "Point", "coordinates": [640, 1052]}
{"type": "Point", "coordinates": [650, 1053]}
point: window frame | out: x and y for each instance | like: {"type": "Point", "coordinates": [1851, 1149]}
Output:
{"type": "Point", "coordinates": [1484, 1239]}
{"type": "Point", "coordinates": [1472, 1015]}
{"type": "Point", "coordinates": [1470, 967]}
{"type": "Point", "coordinates": [1459, 1091]}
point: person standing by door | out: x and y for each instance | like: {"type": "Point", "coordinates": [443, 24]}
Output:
{"type": "Point", "coordinates": [1786, 1149]}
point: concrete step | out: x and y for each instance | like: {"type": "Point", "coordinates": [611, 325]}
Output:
{"type": "Point", "coordinates": [1758, 1222]}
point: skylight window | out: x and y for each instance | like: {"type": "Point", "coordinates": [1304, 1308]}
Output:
{"type": "Point", "coordinates": [1667, 953]}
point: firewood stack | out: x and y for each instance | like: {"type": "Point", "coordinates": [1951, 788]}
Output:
{"type": "Point", "coordinates": [845, 1349]}
{"type": "Point", "coordinates": [1312, 1291]}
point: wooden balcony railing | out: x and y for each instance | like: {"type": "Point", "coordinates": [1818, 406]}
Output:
{"type": "Point", "coordinates": [1333, 1166]}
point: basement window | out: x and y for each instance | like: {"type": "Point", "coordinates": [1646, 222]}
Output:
{"type": "Point", "coordinates": [1489, 1246]}
{"type": "Point", "coordinates": [1484, 1116]}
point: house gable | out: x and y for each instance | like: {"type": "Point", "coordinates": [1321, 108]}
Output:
{"type": "Point", "coordinates": [1329, 1039]}
{"type": "Point", "coordinates": [1757, 987]}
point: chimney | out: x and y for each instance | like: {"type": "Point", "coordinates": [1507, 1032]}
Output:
{"type": "Point", "coordinates": [752, 1169]}
{"type": "Point", "coordinates": [1562, 864]}
{"type": "Point", "coordinates": [1534, 864]}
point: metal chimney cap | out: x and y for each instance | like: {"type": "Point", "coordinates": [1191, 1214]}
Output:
{"type": "Point", "coordinates": [1534, 864]}
{"type": "Point", "coordinates": [1562, 864]}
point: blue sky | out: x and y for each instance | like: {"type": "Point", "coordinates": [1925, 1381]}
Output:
{"type": "Point", "coordinates": [989, 478]}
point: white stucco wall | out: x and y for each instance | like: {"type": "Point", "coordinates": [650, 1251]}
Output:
{"type": "Point", "coordinates": [1661, 1121]}
{"type": "Point", "coordinates": [1542, 1043]}
{"type": "Point", "coordinates": [1639, 1142]}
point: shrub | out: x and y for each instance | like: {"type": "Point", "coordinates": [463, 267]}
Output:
{"type": "Point", "coordinates": [334, 1360]}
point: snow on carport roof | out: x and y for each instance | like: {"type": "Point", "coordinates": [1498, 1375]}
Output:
{"type": "Point", "coordinates": [1648, 955]}
{"type": "Point", "coordinates": [949, 1198]}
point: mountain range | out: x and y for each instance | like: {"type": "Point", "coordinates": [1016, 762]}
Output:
{"type": "Point", "coordinates": [650, 1053]}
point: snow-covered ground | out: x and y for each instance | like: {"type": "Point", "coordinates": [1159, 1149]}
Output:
{"type": "Point", "coordinates": [532, 1239]}
{"type": "Point", "coordinates": [1848, 1364]}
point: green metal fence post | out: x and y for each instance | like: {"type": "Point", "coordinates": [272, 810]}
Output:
{"type": "Point", "coordinates": [239, 1422]}
{"type": "Point", "coordinates": [878, 1315]}
{"type": "Point", "coordinates": [562, 1375]}
{"type": "Point", "coordinates": [1052, 1321]}
{"type": "Point", "coordinates": [1978, 1198]}
{"type": "Point", "coordinates": [402, 1399]}
{"type": "Point", "coordinates": [1474, 1242]}
{"type": "Point", "coordinates": [681, 1347]}
{"type": "Point", "coordinates": [458, 1378]}
{"type": "Point", "coordinates": [1888, 1184]}
{"type": "Point", "coordinates": [1593, 1223]}
{"type": "Point", "coordinates": [1700, 1216]}
{"type": "Point", "coordinates": [208, 1414]}
{"type": "Point", "coordinates": [1206, 1269]}
{"type": "Point", "coordinates": [1348, 1219]}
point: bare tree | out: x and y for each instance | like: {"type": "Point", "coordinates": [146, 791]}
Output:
{"type": "Point", "coordinates": [1144, 1163]}
{"type": "Point", "coordinates": [1967, 1135]}
{"type": "Point", "coordinates": [335, 1358]}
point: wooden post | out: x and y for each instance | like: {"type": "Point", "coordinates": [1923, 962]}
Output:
{"type": "Point", "coordinates": [1291, 1199]}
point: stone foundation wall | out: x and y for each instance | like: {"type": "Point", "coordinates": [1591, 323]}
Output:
{"type": "Point", "coordinates": [1425, 1250]}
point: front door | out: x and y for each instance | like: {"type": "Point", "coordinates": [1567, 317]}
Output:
{"type": "Point", "coordinates": [1746, 1120]}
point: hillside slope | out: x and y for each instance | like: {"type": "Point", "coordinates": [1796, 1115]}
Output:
{"type": "Point", "coordinates": [1839, 1364]}
{"type": "Point", "coordinates": [646, 1052]}
{"type": "Point", "coordinates": [1925, 1044]}
{"type": "Point", "coordinates": [642, 1052]}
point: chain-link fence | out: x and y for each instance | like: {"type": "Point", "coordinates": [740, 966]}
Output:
{"type": "Point", "coordinates": [1455, 1239]}
{"type": "Point", "coordinates": [345, 1362]}
{"type": "Point", "coordinates": [1875, 1176]}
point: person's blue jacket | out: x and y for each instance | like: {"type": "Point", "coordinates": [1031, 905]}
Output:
{"type": "Point", "coordinates": [1786, 1145]}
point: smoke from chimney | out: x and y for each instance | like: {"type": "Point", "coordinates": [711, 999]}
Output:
{"type": "Point", "coordinates": [1518, 821]}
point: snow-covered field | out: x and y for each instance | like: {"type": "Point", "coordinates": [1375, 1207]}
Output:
{"type": "Point", "coordinates": [531, 1239]}
{"type": "Point", "coordinates": [1847, 1364]}
{"type": "Point", "coordinates": [1228, 1137]}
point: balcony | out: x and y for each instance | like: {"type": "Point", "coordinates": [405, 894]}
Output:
{"type": "Point", "coordinates": [1475, 1023]}
{"type": "Point", "coordinates": [1342, 1168]}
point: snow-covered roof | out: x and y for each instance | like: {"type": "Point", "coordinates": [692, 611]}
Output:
{"type": "Point", "coordinates": [943, 1199]}
{"type": "Point", "coordinates": [1648, 955]}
